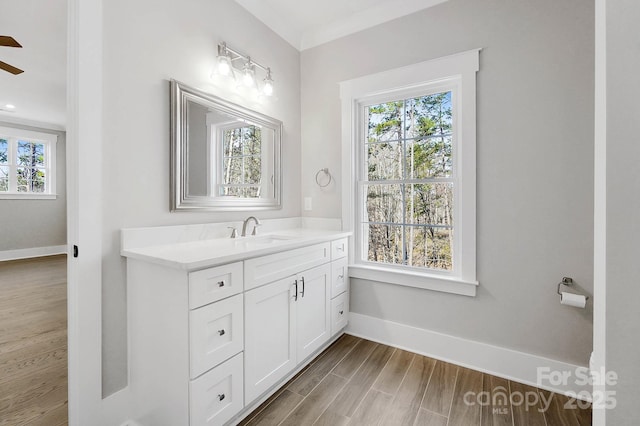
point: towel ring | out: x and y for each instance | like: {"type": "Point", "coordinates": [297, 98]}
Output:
{"type": "Point", "coordinates": [326, 172]}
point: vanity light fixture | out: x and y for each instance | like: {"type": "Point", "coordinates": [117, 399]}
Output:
{"type": "Point", "coordinates": [226, 66]}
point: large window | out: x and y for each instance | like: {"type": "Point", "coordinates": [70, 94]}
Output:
{"type": "Point", "coordinates": [409, 148]}
{"type": "Point", "coordinates": [27, 164]}
{"type": "Point", "coordinates": [408, 183]}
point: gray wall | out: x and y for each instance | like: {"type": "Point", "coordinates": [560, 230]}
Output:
{"type": "Point", "coordinates": [147, 42]}
{"type": "Point", "coordinates": [37, 223]}
{"type": "Point", "coordinates": [534, 157]}
{"type": "Point", "coordinates": [623, 208]}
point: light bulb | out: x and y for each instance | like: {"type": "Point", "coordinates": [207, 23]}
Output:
{"type": "Point", "coordinates": [247, 77]}
{"type": "Point", "coordinates": [224, 67]}
{"type": "Point", "coordinates": [267, 89]}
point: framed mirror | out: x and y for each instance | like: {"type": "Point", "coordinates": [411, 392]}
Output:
{"type": "Point", "coordinates": [223, 156]}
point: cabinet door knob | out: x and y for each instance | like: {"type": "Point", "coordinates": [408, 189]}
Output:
{"type": "Point", "coordinates": [221, 332]}
{"type": "Point", "coordinates": [221, 396]}
{"type": "Point", "coordinates": [341, 276]}
{"type": "Point", "coordinates": [220, 283]}
{"type": "Point", "coordinates": [341, 312]}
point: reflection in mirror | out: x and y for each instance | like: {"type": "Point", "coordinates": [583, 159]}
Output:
{"type": "Point", "coordinates": [224, 156]}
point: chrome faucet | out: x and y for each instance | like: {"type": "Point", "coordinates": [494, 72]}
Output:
{"type": "Point", "coordinates": [246, 222]}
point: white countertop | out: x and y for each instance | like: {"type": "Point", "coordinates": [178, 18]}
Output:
{"type": "Point", "coordinates": [201, 254]}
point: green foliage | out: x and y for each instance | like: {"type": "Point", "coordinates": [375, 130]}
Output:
{"type": "Point", "coordinates": [410, 139]}
{"type": "Point", "coordinates": [242, 162]}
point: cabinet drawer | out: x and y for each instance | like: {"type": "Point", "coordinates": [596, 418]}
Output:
{"type": "Point", "coordinates": [266, 269]}
{"type": "Point", "coordinates": [339, 312]}
{"type": "Point", "coordinates": [339, 276]}
{"type": "Point", "coordinates": [213, 284]}
{"type": "Point", "coordinates": [218, 395]}
{"type": "Point", "coordinates": [339, 248]}
{"type": "Point", "coordinates": [216, 332]}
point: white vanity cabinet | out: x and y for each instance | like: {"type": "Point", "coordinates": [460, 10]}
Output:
{"type": "Point", "coordinates": [206, 344]}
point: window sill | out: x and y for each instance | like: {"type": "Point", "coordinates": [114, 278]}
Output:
{"type": "Point", "coordinates": [413, 279]}
{"type": "Point", "coordinates": [22, 196]}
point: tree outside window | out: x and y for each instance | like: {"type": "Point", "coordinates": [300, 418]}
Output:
{"type": "Point", "coordinates": [408, 187]}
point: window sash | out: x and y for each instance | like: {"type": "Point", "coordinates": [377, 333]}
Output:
{"type": "Point", "coordinates": [14, 136]}
{"type": "Point", "coordinates": [14, 165]}
{"type": "Point", "coordinates": [363, 182]}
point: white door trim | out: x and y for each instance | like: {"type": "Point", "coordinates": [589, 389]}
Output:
{"type": "Point", "coordinates": [84, 212]}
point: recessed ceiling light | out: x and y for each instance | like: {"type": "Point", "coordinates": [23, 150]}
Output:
{"type": "Point", "coordinates": [10, 106]}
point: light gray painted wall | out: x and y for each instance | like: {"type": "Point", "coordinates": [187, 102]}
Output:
{"type": "Point", "coordinates": [623, 207]}
{"type": "Point", "coordinates": [535, 164]}
{"type": "Point", "coordinates": [37, 223]}
{"type": "Point", "coordinates": [147, 42]}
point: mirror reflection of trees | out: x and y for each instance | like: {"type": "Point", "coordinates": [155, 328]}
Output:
{"type": "Point", "coordinates": [242, 159]}
{"type": "Point", "coordinates": [409, 182]}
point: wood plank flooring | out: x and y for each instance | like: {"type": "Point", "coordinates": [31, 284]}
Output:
{"type": "Point", "coordinates": [359, 382]}
{"type": "Point", "coordinates": [33, 342]}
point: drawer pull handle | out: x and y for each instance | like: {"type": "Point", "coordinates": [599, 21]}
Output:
{"type": "Point", "coordinates": [221, 332]}
{"type": "Point", "coordinates": [340, 248]}
{"type": "Point", "coordinates": [341, 312]}
{"type": "Point", "coordinates": [220, 283]}
{"type": "Point", "coordinates": [295, 296]}
{"type": "Point", "coordinates": [221, 396]}
{"type": "Point", "coordinates": [302, 292]}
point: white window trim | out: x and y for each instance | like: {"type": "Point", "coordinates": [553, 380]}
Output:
{"type": "Point", "coordinates": [459, 68]}
{"type": "Point", "coordinates": [51, 140]}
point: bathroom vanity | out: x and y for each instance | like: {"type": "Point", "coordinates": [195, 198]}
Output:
{"type": "Point", "coordinates": [217, 325]}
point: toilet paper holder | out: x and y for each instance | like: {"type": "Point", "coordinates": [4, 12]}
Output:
{"type": "Point", "coordinates": [567, 281]}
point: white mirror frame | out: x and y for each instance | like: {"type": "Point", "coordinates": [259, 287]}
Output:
{"type": "Point", "coordinates": [180, 199]}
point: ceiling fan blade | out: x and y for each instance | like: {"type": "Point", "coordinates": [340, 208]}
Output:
{"type": "Point", "coordinates": [9, 42]}
{"type": "Point", "coordinates": [10, 68]}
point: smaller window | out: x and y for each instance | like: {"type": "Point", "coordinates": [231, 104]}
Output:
{"type": "Point", "coordinates": [242, 162]}
{"type": "Point", "coordinates": [27, 164]}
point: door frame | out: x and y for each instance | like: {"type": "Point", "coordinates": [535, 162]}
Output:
{"type": "Point", "coordinates": [84, 210]}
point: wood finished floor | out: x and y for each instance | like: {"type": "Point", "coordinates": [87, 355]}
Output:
{"type": "Point", "coordinates": [33, 342]}
{"type": "Point", "coordinates": [359, 382]}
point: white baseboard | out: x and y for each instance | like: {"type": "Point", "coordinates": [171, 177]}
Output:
{"type": "Point", "coordinates": [506, 363]}
{"type": "Point", "coordinates": [31, 252]}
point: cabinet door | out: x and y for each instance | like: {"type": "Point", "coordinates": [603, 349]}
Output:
{"type": "Point", "coordinates": [270, 325]}
{"type": "Point", "coordinates": [313, 310]}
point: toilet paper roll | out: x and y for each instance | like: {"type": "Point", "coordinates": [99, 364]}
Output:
{"type": "Point", "coordinates": [570, 299]}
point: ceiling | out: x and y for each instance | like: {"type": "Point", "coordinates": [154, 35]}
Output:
{"type": "Point", "coordinates": [39, 93]}
{"type": "Point", "coordinates": [305, 24]}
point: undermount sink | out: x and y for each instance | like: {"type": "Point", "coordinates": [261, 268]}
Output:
{"type": "Point", "coordinates": [264, 240]}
